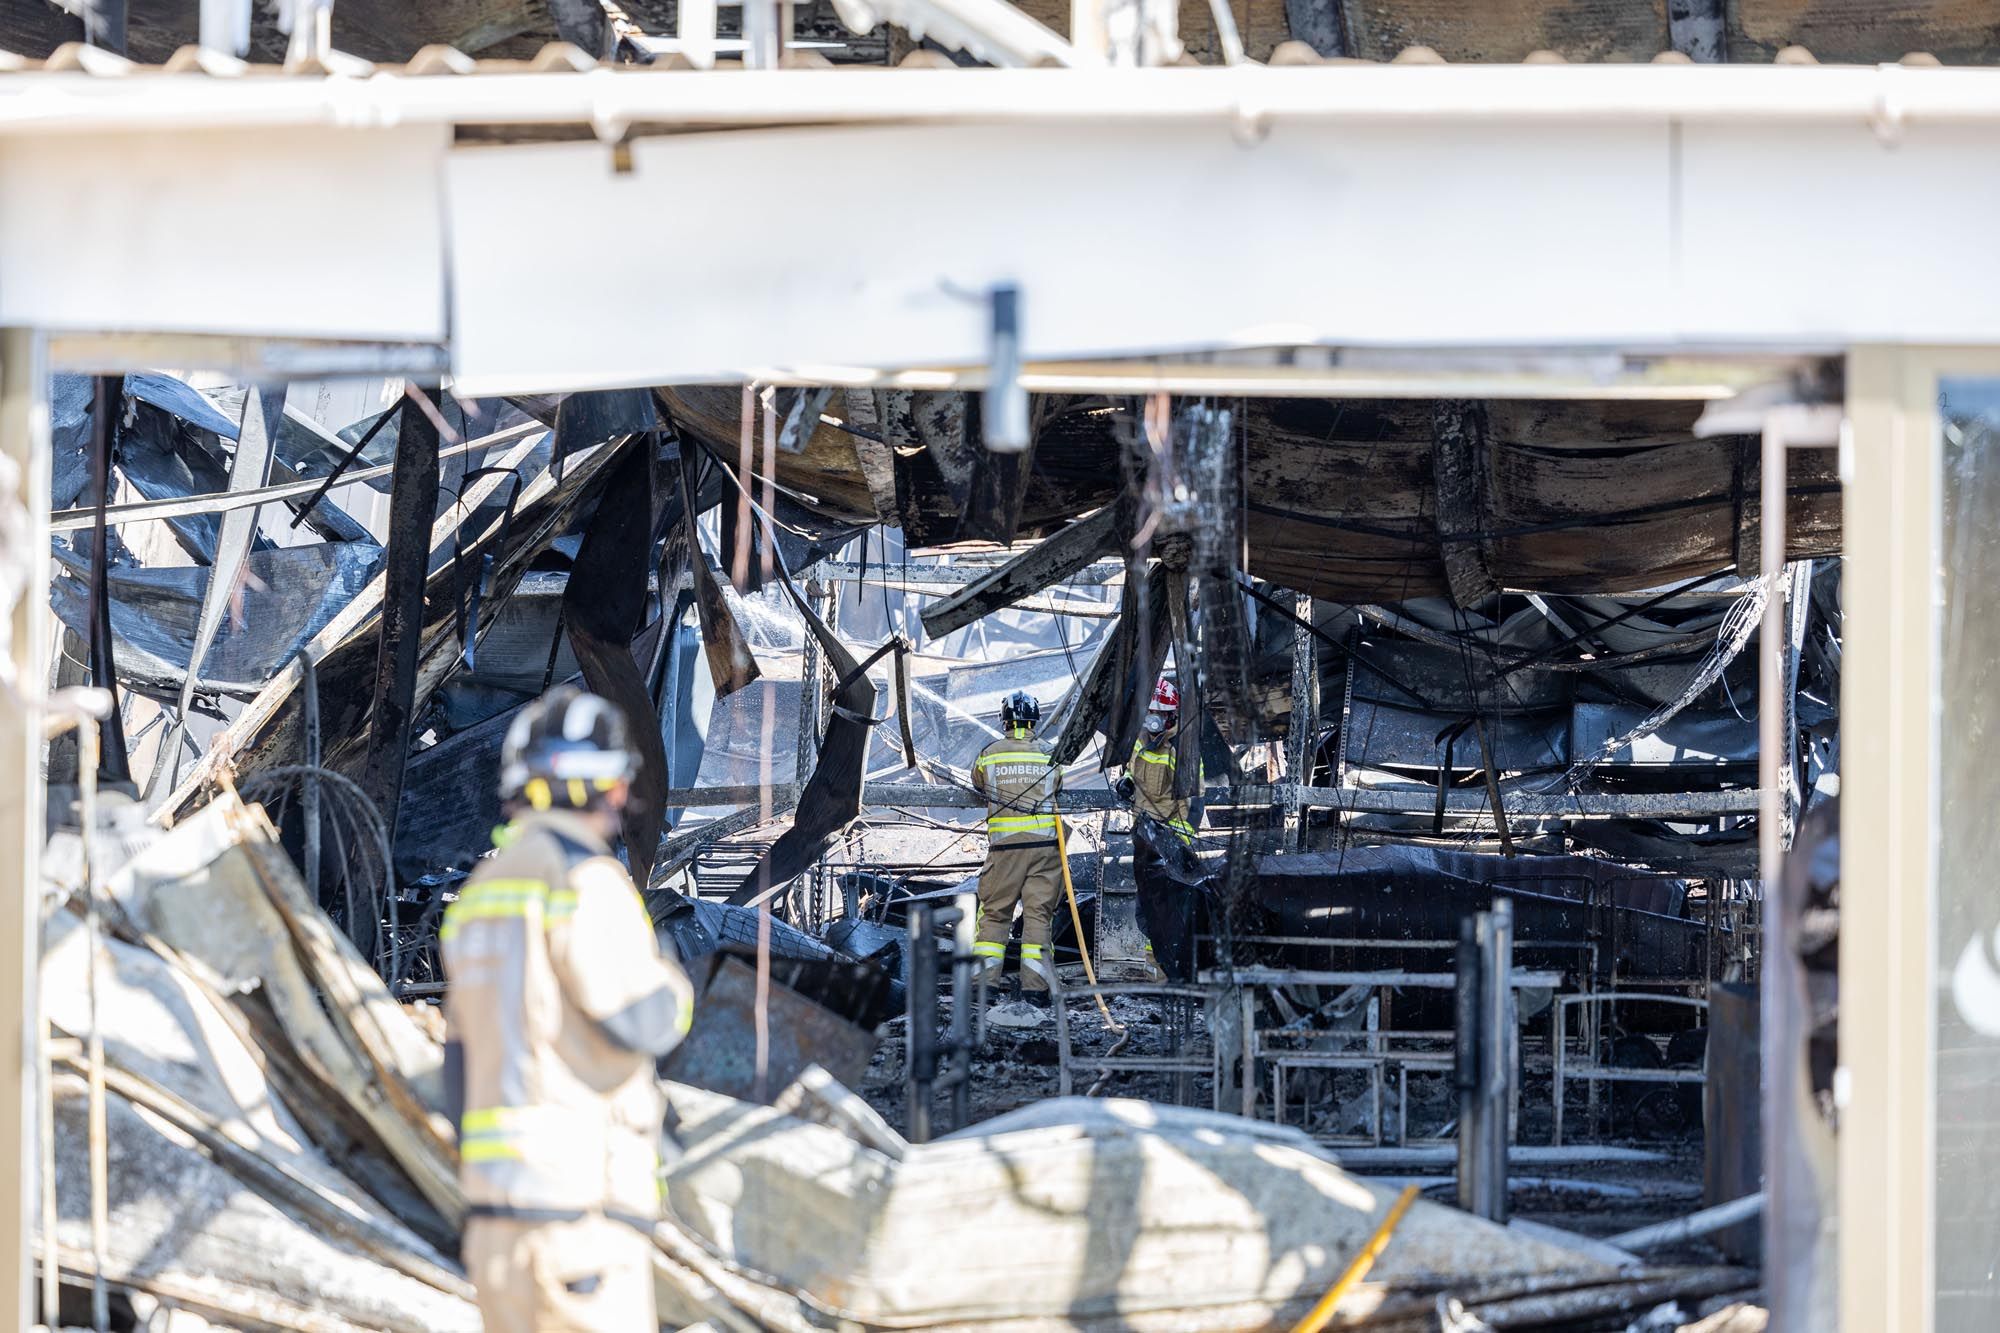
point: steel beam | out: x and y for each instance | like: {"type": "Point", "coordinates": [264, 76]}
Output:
{"type": "Point", "coordinates": [1700, 805]}
{"type": "Point", "coordinates": [1048, 562]}
{"type": "Point", "coordinates": [413, 502]}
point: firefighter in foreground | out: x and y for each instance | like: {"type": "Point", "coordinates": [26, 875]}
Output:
{"type": "Point", "coordinates": [559, 1005]}
{"type": "Point", "coordinates": [1018, 777]}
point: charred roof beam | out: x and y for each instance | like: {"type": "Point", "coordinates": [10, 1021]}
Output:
{"type": "Point", "coordinates": [1459, 461]}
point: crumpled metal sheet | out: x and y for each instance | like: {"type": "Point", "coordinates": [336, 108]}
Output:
{"type": "Point", "coordinates": [586, 419]}
{"type": "Point", "coordinates": [1402, 892]}
{"type": "Point", "coordinates": [162, 461]}
{"type": "Point", "coordinates": [831, 797]}
{"type": "Point", "coordinates": [69, 439]}
{"type": "Point", "coordinates": [288, 595]}
{"type": "Point", "coordinates": [182, 400]}
{"type": "Point", "coordinates": [802, 1025]}
{"type": "Point", "coordinates": [698, 927]}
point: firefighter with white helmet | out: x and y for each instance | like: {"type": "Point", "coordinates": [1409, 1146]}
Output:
{"type": "Point", "coordinates": [558, 1007]}
{"type": "Point", "coordinates": [1150, 781]}
{"type": "Point", "coordinates": [1017, 775]}
{"type": "Point", "coordinates": [1163, 863]}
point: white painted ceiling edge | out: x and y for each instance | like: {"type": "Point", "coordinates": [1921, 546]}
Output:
{"type": "Point", "coordinates": [1138, 211]}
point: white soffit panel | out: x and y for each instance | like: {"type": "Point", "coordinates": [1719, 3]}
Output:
{"type": "Point", "coordinates": [302, 232]}
{"type": "Point", "coordinates": [1834, 234]}
{"type": "Point", "coordinates": [723, 255]}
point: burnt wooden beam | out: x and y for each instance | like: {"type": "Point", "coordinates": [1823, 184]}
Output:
{"type": "Point", "coordinates": [999, 485]}
{"type": "Point", "coordinates": [1458, 465]}
{"type": "Point", "coordinates": [724, 642]}
{"type": "Point", "coordinates": [873, 453]}
{"type": "Point", "coordinates": [1747, 505]}
{"type": "Point", "coordinates": [1049, 561]}
{"type": "Point", "coordinates": [413, 502]}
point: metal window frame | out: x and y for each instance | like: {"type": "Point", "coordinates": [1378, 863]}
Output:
{"type": "Point", "coordinates": [1890, 707]}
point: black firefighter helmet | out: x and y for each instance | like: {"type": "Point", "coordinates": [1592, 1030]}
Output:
{"type": "Point", "coordinates": [1020, 710]}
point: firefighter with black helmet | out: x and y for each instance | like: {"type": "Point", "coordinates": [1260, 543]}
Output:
{"type": "Point", "coordinates": [1017, 775]}
{"type": "Point", "coordinates": [558, 1007]}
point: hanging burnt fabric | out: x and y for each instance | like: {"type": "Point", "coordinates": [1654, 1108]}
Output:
{"type": "Point", "coordinates": [602, 607]}
{"type": "Point", "coordinates": [806, 536]}
{"type": "Point", "coordinates": [1110, 699]}
{"type": "Point", "coordinates": [476, 588]}
{"type": "Point", "coordinates": [730, 662]}
{"type": "Point", "coordinates": [165, 461]}
{"type": "Point", "coordinates": [831, 797]}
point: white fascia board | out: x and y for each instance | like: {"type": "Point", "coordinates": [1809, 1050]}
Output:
{"type": "Point", "coordinates": [1248, 95]}
{"type": "Point", "coordinates": [1123, 239]}
{"type": "Point", "coordinates": [1835, 231]}
{"type": "Point", "coordinates": [305, 232]}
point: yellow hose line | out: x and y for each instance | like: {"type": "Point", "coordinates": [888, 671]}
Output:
{"type": "Point", "coordinates": [1321, 1313]}
{"type": "Point", "coordinates": [1076, 920]}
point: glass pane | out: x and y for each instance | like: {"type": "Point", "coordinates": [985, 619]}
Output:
{"type": "Point", "coordinates": [1967, 1109]}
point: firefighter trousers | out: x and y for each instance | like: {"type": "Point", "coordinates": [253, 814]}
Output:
{"type": "Point", "coordinates": [592, 1275]}
{"type": "Point", "coordinates": [1030, 876]}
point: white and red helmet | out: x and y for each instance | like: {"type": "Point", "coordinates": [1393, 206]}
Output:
{"type": "Point", "coordinates": [1166, 697]}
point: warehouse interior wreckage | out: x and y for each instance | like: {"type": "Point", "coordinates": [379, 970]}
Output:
{"type": "Point", "coordinates": [1224, 644]}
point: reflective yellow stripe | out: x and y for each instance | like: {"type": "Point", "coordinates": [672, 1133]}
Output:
{"type": "Point", "coordinates": [1015, 757]}
{"type": "Point", "coordinates": [489, 888]}
{"type": "Point", "coordinates": [1031, 951]}
{"type": "Point", "coordinates": [488, 899]}
{"type": "Point", "coordinates": [497, 1120]}
{"type": "Point", "coordinates": [988, 949]}
{"type": "Point", "coordinates": [1148, 757]}
{"type": "Point", "coordinates": [480, 1150]}
{"type": "Point", "coordinates": [497, 1133]}
{"type": "Point", "coordinates": [1011, 823]}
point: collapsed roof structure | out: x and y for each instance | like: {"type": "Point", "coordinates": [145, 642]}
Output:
{"type": "Point", "coordinates": [1457, 625]}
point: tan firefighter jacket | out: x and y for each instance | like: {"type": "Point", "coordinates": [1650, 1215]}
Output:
{"type": "Point", "coordinates": [559, 1004]}
{"type": "Point", "coordinates": [1019, 781]}
{"type": "Point", "coordinates": [1152, 772]}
